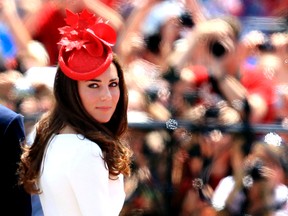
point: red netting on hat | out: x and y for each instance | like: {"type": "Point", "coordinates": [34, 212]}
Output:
{"type": "Point", "coordinates": [86, 43]}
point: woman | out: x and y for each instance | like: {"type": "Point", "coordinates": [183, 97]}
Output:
{"type": "Point", "coordinates": [77, 160]}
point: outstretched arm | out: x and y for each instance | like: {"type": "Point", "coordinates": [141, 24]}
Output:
{"type": "Point", "coordinates": [108, 13]}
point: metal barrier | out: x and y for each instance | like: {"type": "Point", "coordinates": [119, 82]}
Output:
{"type": "Point", "coordinates": [174, 123]}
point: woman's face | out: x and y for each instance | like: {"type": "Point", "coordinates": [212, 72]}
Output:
{"type": "Point", "coordinates": [100, 95]}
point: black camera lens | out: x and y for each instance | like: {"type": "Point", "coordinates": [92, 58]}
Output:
{"type": "Point", "coordinates": [152, 42]}
{"type": "Point", "coordinates": [186, 19]}
{"type": "Point", "coordinates": [256, 170]}
{"type": "Point", "coordinates": [212, 112]}
{"type": "Point", "coordinates": [152, 95]}
{"type": "Point", "coordinates": [217, 49]}
{"type": "Point", "coordinates": [191, 97]}
{"type": "Point", "coordinates": [266, 47]}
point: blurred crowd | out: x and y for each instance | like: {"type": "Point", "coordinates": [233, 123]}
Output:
{"type": "Point", "coordinates": [205, 63]}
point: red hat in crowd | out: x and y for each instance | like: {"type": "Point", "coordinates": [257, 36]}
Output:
{"type": "Point", "coordinates": [86, 43]}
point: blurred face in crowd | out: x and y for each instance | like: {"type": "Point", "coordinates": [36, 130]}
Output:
{"type": "Point", "coordinates": [101, 94]}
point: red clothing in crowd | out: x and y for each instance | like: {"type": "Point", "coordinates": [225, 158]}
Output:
{"type": "Point", "coordinates": [45, 26]}
{"type": "Point", "coordinates": [45, 29]}
{"type": "Point", "coordinates": [255, 82]}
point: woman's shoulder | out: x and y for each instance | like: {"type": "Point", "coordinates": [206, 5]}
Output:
{"type": "Point", "coordinates": [76, 142]}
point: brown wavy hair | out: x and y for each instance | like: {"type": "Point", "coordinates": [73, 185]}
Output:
{"type": "Point", "coordinates": [68, 110]}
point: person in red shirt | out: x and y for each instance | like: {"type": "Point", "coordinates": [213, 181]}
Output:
{"type": "Point", "coordinates": [44, 24]}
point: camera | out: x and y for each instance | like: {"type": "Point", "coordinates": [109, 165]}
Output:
{"type": "Point", "coordinates": [255, 170]}
{"type": "Point", "coordinates": [267, 46]}
{"type": "Point", "coordinates": [210, 120]}
{"type": "Point", "coordinates": [191, 97]}
{"type": "Point", "coordinates": [186, 19]}
{"type": "Point", "coordinates": [152, 94]}
{"type": "Point", "coordinates": [217, 49]}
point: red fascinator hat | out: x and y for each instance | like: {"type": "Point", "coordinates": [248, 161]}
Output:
{"type": "Point", "coordinates": [86, 43]}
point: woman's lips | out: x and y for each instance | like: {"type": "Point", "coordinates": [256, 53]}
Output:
{"type": "Point", "coordinates": [104, 108]}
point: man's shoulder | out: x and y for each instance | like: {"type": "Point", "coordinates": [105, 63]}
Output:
{"type": "Point", "coordinates": [7, 116]}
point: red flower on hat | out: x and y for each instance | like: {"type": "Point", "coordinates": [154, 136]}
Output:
{"type": "Point", "coordinates": [85, 45]}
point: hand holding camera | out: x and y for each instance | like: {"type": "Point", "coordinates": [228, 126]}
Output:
{"type": "Point", "coordinates": [217, 41]}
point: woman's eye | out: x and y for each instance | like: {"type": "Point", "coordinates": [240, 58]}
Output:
{"type": "Point", "coordinates": [93, 85]}
{"type": "Point", "coordinates": [114, 84]}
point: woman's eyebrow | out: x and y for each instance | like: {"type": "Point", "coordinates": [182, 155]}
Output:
{"type": "Point", "coordinates": [97, 80]}
{"type": "Point", "coordinates": [114, 79]}
{"type": "Point", "coordinates": [94, 80]}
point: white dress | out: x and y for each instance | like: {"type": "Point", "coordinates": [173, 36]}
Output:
{"type": "Point", "coordinates": [75, 180]}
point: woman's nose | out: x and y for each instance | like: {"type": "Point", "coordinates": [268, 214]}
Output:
{"type": "Point", "coordinates": [105, 94]}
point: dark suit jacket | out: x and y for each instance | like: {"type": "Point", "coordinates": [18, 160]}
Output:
{"type": "Point", "coordinates": [15, 201]}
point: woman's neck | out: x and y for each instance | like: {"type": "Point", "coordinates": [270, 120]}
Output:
{"type": "Point", "coordinates": [67, 130]}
